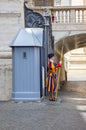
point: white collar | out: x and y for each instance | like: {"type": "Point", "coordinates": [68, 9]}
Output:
{"type": "Point", "coordinates": [51, 60]}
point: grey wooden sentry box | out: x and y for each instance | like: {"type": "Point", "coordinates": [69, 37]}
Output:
{"type": "Point", "coordinates": [26, 64]}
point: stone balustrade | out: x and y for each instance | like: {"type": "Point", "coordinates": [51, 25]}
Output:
{"type": "Point", "coordinates": [65, 14]}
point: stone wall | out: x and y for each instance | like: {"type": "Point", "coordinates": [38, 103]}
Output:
{"type": "Point", "coordinates": [10, 23]}
{"type": "Point", "coordinates": [5, 74]}
{"type": "Point", "coordinates": [10, 20]}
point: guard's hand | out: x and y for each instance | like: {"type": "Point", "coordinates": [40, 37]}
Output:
{"type": "Point", "coordinates": [59, 64]}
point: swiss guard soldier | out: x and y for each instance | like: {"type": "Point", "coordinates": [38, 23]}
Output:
{"type": "Point", "coordinates": [51, 78]}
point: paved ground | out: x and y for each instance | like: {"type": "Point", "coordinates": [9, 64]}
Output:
{"type": "Point", "coordinates": [68, 113]}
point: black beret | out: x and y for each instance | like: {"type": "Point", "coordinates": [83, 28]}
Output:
{"type": "Point", "coordinates": [50, 55]}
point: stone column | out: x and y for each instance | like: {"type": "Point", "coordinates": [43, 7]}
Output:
{"type": "Point", "coordinates": [84, 2]}
{"type": "Point", "coordinates": [5, 74]}
{"type": "Point", "coordinates": [10, 23]}
{"type": "Point", "coordinates": [22, 13]}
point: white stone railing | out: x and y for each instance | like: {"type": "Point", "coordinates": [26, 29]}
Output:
{"type": "Point", "coordinates": [66, 14]}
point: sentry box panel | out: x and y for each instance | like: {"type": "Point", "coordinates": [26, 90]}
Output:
{"type": "Point", "coordinates": [26, 64]}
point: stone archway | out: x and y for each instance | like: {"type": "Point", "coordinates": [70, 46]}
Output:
{"type": "Point", "coordinates": [70, 43]}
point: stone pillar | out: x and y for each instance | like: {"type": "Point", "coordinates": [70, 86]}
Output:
{"type": "Point", "coordinates": [22, 13]}
{"type": "Point", "coordinates": [10, 23]}
{"type": "Point", "coordinates": [10, 20]}
{"type": "Point", "coordinates": [5, 74]}
{"type": "Point", "coordinates": [84, 2]}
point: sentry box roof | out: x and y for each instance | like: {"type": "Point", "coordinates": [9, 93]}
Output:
{"type": "Point", "coordinates": [28, 37]}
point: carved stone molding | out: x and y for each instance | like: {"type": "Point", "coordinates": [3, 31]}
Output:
{"type": "Point", "coordinates": [32, 19]}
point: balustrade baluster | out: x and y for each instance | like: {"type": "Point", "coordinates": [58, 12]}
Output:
{"type": "Point", "coordinates": [78, 16]}
{"type": "Point", "coordinates": [83, 16]}
{"type": "Point", "coordinates": [62, 16]}
{"type": "Point", "coordinates": [66, 16]}
{"type": "Point", "coordinates": [58, 16]}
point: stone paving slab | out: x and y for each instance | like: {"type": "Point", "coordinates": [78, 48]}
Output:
{"type": "Point", "coordinates": [59, 115]}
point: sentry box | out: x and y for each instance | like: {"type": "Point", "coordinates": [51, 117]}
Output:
{"type": "Point", "coordinates": [26, 64]}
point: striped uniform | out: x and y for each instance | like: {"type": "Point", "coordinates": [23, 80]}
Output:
{"type": "Point", "coordinates": [51, 78]}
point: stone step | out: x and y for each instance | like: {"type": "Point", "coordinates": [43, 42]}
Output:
{"type": "Point", "coordinates": [75, 86]}
{"type": "Point", "coordinates": [76, 58]}
{"type": "Point", "coordinates": [76, 75]}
